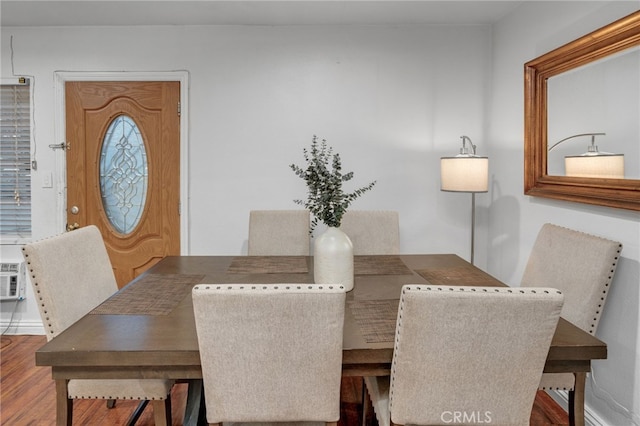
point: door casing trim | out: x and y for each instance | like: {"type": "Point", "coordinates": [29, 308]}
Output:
{"type": "Point", "coordinates": [61, 77]}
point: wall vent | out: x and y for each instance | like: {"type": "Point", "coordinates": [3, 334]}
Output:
{"type": "Point", "coordinates": [12, 281]}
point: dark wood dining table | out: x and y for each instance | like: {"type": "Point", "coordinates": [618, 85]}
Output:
{"type": "Point", "coordinates": [147, 329]}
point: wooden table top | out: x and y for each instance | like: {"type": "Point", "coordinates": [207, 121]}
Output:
{"type": "Point", "coordinates": [147, 329]}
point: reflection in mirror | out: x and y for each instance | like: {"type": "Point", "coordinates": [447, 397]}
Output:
{"type": "Point", "coordinates": [593, 163]}
{"type": "Point", "coordinates": [602, 97]}
{"type": "Point", "coordinates": [569, 91]}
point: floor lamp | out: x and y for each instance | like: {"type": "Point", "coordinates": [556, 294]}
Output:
{"type": "Point", "coordinates": [466, 172]}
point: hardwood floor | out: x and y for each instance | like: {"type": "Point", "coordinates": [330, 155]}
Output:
{"type": "Point", "coordinates": [28, 396]}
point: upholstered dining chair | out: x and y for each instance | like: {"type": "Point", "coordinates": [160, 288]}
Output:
{"type": "Point", "coordinates": [372, 231]}
{"type": "Point", "coordinates": [279, 233]}
{"type": "Point", "coordinates": [456, 361]}
{"type": "Point", "coordinates": [582, 266]}
{"type": "Point", "coordinates": [270, 352]}
{"type": "Point", "coordinates": [71, 274]}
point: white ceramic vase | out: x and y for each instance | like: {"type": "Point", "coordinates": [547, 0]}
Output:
{"type": "Point", "coordinates": [333, 258]}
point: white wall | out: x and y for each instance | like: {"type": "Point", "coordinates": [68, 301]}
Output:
{"type": "Point", "coordinates": [514, 219]}
{"type": "Point", "coordinates": [391, 100]}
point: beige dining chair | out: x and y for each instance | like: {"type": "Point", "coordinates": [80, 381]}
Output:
{"type": "Point", "coordinates": [372, 231]}
{"type": "Point", "coordinates": [582, 266]}
{"type": "Point", "coordinates": [71, 274]}
{"type": "Point", "coordinates": [270, 352]}
{"type": "Point", "coordinates": [455, 360]}
{"type": "Point", "coordinates": [279, 233]}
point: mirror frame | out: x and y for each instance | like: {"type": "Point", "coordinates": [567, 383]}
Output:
{"type": "Point", "coordinates": [619, 193]}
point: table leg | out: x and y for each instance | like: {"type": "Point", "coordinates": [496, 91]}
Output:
{"type": "Point", "coordinates": [195, 413]}
{"type": "Point", "coordinates": [64, 405]}
{"type": "Point", "coordinates": [576, 400]}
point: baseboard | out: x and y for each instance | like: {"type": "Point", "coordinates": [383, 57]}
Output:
{"type": "Point", "coordinates": [22, 327]}
{"type": "Point", "coordinates": [590, 418]}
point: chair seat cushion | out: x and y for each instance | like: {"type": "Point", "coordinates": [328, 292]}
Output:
{"type": "Point", "coordinates": [120, 389]}
{"type": "Point", "coordinates": [557, 381]}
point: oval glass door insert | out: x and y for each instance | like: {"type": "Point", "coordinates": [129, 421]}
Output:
{"type": "Point", "coordinates": [123, 174]}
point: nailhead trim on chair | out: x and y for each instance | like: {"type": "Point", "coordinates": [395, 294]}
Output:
{"type": "Point", "coordinates": [274, 287]}
{"type": "Point", "coordinates": [592, 328]}
{"type": "Point", "coordinates": [34, 280]}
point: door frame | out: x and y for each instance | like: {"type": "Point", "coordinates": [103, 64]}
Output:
{"type": "Point", "coordinates": [61, 77]}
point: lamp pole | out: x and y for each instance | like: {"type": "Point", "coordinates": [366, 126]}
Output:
{"type": "Point", "coordinates": [473, 223]}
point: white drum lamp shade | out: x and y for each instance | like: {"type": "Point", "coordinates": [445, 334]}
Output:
{"type": "Point", "coordinates": [464, 174]}
{"type": "Point", "coordinates": [597, 166]}
{"type": "Point", "coordinates": [593, 163]}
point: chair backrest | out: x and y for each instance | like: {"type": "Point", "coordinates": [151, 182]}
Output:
{"type": "Point", "coordinates": [472, 352]}
{"type": "Point", "coordinates": [71, 274]}
{"type": "Point", "coordinates": [270, 352]}
{"type": "Point", "coordinates": [578, 264]}
{"type": "Point", "coordinates": [372, 231]}
{"type": "Point", "coordinates": [279, 233]}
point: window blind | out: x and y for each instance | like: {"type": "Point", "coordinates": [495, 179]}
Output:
{"type": "Point", "coordinates": [15, 160]}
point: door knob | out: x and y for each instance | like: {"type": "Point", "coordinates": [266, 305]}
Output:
{"type": "Point", "coordinates": [75, 210]}
{"type": "Point", "coordinates": [72, 227]}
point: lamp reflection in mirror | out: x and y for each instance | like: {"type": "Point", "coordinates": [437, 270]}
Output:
{"type": "Point", "coordinates": [466, 172]}
{"type": "Point", "coordinates": [593, 163]}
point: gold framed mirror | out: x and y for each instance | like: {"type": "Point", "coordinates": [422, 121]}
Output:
{"type": "Point", "coordinates": [605, 42]}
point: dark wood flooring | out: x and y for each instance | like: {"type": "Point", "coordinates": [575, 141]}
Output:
{"type": "Point", "coordinates": [28, 396]}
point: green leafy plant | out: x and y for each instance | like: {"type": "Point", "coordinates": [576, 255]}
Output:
{"type": "Point", "coordinates": [325, 198]}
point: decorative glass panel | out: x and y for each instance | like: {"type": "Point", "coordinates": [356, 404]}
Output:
{"type": "Point", "coordinates": [123, 174]}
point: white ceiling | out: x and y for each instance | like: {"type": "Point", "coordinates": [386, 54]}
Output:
{"type": "Point", "coordinates": [261, 12]}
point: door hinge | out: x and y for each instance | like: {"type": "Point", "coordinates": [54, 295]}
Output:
{"type": "Point", "coordinates": [179, 208]}
{"type": "Point", "coordinates": [179, 109]}
{"type": "Point", "coordinates": [62, 145]}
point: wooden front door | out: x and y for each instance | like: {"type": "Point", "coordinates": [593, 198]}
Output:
{"type": "Point", "coordinates": [123, 169]}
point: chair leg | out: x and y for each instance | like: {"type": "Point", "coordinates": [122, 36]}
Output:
{"type": "Point", "coordinates": [576, 400]}
{"type": "Point", "coordinates": [111, 403]}
{"type": "Point", "coordinates": [133, 418]}
{"type": "Point", "coordinates": [162, 412]}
